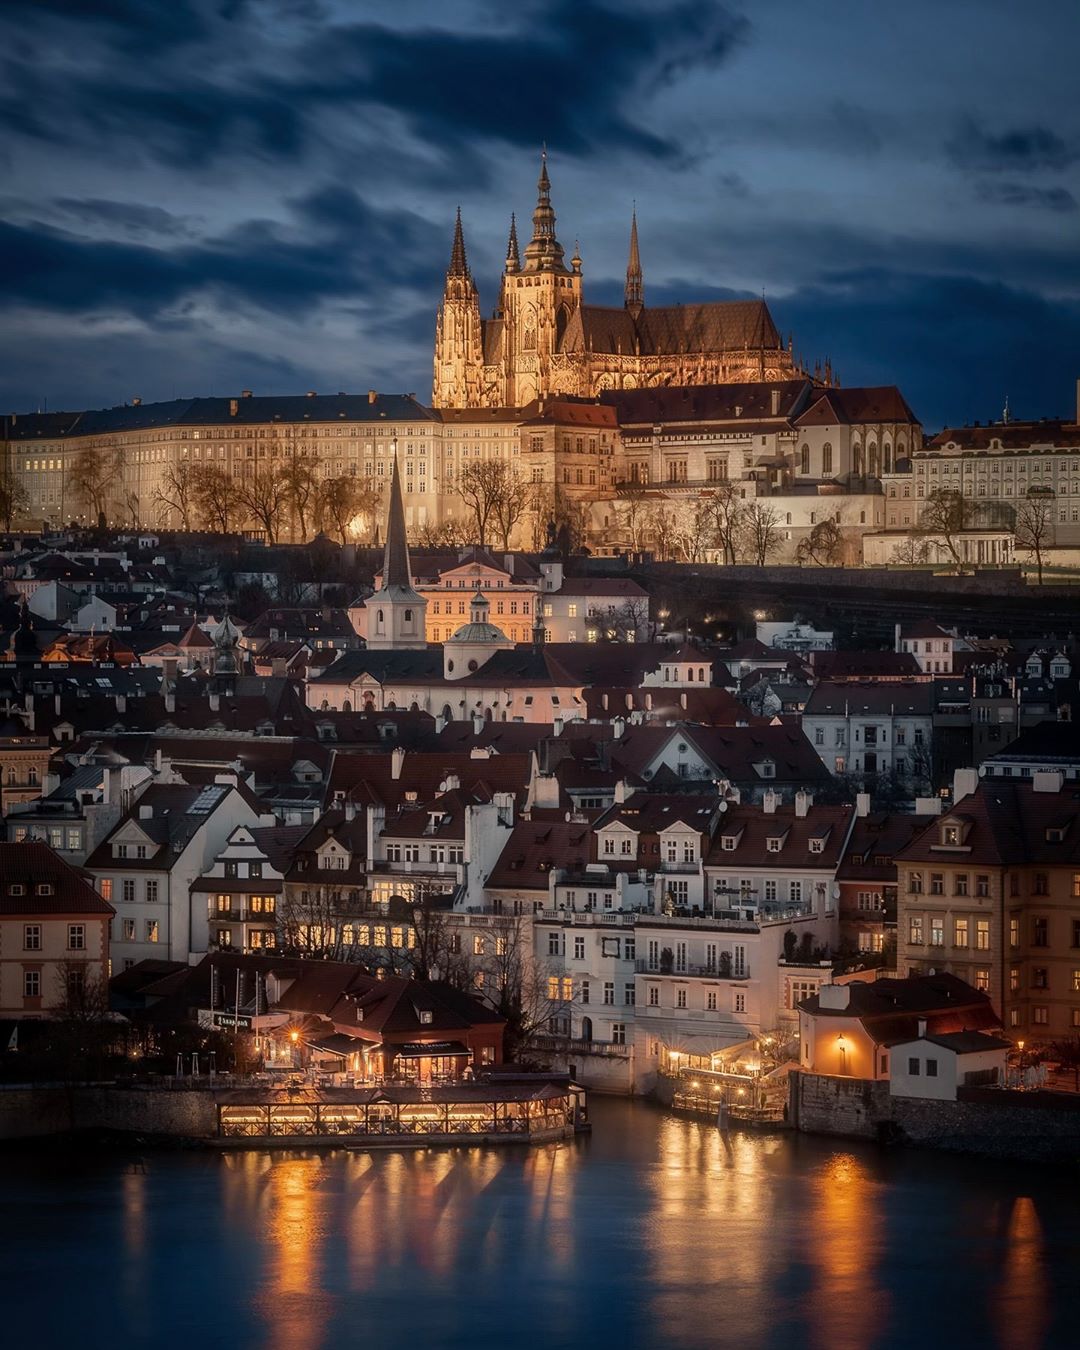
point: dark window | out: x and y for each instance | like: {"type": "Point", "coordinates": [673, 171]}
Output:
{"type": "Point", "coordinates": [913, 1067]}
{"type": "Point", "coordinates": [931, 1068]}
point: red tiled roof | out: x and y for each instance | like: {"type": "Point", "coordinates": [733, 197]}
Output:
{"type": "Point", "coordinates": [30, 865]}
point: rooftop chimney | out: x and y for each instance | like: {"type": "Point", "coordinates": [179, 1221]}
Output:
{"type": "Point", "coordinates": [234, 406]}
{"type": "Point", "coordinates": [803, 803]}
{"type": "Point", "coordinates": [311, 393]}
{"type": "Point", "coordinates": [921, 1024]}
{"type": "Point", "coordinates": [768, 802]}
{"type": "Point", "coordinates": [372, 395]}
{"type": "Point", "coordinates": [835, 996]}
{"type": "Point", "coordinates": [136, 402]}
{"type": "Point", "coordinates": [397, 761]}
{"type": "Point", "coordinates": [245, 393]}
{"type": "Point", "coordinates": [862, 803]}
{"type": "Point", "coordinates": [1047, 780]}
{"type": "Point", "coordinates": [774, 402]}
{"type": "Point", "coordinates": [965, 781]}
{"type": "Point", "coordinates": [146, 811]}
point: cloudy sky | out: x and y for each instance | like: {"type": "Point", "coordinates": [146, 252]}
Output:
{"type": "Point", "coordinates": [204, 195]}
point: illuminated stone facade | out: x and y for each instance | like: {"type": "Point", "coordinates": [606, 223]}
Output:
{"type": "Point", "coordinates": [543, 339]}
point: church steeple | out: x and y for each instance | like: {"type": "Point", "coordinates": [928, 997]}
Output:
{"type": "Point", "coordinates": [544, 253]}
{"type": "Point", "coordinates": [396, 611]}
{"type": "Point", "coordinates": [459, 267]}
{"type": "Point", "coordinates": [635, 285]}
{"type": "Point", "coordinates": [513, 257]}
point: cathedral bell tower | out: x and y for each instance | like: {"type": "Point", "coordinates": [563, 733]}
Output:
{"type": "Point", "coordinates": [459, 339]}
{"type": "Point", "coordinates": [539, 296]}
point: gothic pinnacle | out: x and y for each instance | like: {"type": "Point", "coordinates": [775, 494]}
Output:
{"type": "Point", "coordinates": [635, 286]}
{"type": "Point", "coordinates": [458, 264]}
{"type": "Point", "coordinates": [513, 257]}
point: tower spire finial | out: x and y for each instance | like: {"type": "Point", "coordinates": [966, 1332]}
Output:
{"type": "Point", "coordinates": [513, 257]}
{"type": "Point", "coordinates": [459, 267]}
{"type": "Point", "coordinates": [635, 284]}
{"type": "Point", "coordinates": [396, 570]}
{"type": "Point", "coordinates": [544, 253]}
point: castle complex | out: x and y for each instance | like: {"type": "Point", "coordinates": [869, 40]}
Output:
{"type": "Point", "coordinates": [543, 339]}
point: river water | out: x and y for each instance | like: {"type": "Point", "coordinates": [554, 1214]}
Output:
{"type": "Point", "coordinates": [655, 1232]}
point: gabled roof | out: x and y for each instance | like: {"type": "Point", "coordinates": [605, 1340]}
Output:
{"type": "Point", "coordinates": [30, 866]}
{"type": "Point", "coordinates": [534, 848]}
{"type": "Point", "coordinates": [856, 405]}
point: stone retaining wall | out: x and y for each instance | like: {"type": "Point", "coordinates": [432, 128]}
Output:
{"type": "Point", "coordinates": [38, 1112]}
{"type": "Point", "coordinates": [998, 1126]}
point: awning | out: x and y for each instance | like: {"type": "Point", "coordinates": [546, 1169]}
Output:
{"type": "Point", "coordinates": [414, 1050]}
{"type": "Point", "coordinates": [338, 1044]}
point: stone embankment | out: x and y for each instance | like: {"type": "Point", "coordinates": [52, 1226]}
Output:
{"type": "Point", "coordinates": [1030, 1126]}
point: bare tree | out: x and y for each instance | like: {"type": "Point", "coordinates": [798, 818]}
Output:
{"type": "Point", "coordinates": [824, 545]}
{"type": "Point", "coordinates": [92, 480]}
{"type": "Point", "coordinates": [338, 500]}
{"type": "Point", "coordinates": [762, 532]}
{"type": "Point", "coordinates": [510, 504]}
{"type": "Point", "coordinates": [945, 517]}
{"type": "Point", "coordinates": [627, 622]}
{"type": "Point", "coordinates": [14, 498]}
{"type": "Point", "coordinates": [131, 508]}
{"type": "Point", "coordinates": [514, 984]}
{"type": "Point", "coordinates": [691, 531]}
{"type": "Point", "coordinates": [313, 921]}
{"type": "Point", "coordinates": [449, 534]}
{"type": "Point", "coordinates": [265, 497]}
{"type": "Point", "coordinates": [301, 487]}
{"type": "Point", "coordinates": [911, 551]}
{"type": "Point", "coordinates": [1034, 531]}
{"type": "Point", "coordinates": [482, 486]}
{"type": "Point", "coordinates": [727, 511]}
{"type": "Point", "coordinates": [214, 500]}
{"type": "Point", "coordinates": [175, 494]}
{"type": "Point", "coordinates": [632, 512]}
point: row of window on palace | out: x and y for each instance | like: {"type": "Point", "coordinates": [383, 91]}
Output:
{"type": "Point", "coordinates": [1040, 884]}
{"type": "Point", "coordinates": [448, 607]}
{"type": "Point", "coordinates": [933, 933]}
{"type": "Point", "coordinates": [437, 853]}
{"type": "Point", "coordinates": [560, 989]}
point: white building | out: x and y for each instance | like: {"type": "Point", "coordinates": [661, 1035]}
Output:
{"type": "Point", "coordinates": [868, 729]}
{"type": "Point", "coordinates": [145, 867]}
{"type": "Point", "coordinates": [936, 1066]}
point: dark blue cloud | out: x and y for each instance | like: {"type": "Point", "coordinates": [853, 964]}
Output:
{"type": "Point", "coordinates": [1018, 148]}
{"type": "Point", "coordinates": [1009, 193]}
{"type": "Point", "coordinates": [341, 244]}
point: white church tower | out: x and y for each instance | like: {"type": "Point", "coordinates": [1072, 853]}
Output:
{"type": "Point", "coordinates": [396, 612]}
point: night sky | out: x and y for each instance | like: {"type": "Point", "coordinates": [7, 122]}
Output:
{"type": "Point", "coordinates": [204, 195]}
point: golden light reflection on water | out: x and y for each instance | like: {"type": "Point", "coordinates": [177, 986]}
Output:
{"type": "Point", "coordinates": [849, 1305]}
{"type": "Point", "coordinates": [1024, 1299]}
{"type": "Point", "coordinates": [292, 1300]}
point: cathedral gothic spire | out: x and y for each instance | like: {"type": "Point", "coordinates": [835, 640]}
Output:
{"type": "Point", "coordinates": [513, 257]}
{"type": "Point", "coordinates": [459, 267]}
{"type": "Point", "coordinates": [635, 284]}
{"type": "Point", "coordinates": [544, 253]}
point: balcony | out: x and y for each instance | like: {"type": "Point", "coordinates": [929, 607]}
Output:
{"type": "Point", "coordinates": [685, 868]}
{"type": "Point", "coordinates": [645, 967]}
{"type": "Point", "coordinates": [384, 866]}
{"type": "Point", "coordinates": [243, 914]}
{"type": "Point", "coordinates": [563, 1045]}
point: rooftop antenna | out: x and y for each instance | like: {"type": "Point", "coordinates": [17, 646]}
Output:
{"type": "Point", "coordinates": [1005, 412]}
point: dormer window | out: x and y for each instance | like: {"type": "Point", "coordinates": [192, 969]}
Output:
{"type": "Point", "coordinates": [950, 835]}
{"type": "Point", "coordinates": [121, 850]}
{"type": "Point", "coordinates": [817, 845]}
{"type": "Point", "coordinates": [426, 1018]}
{"type": "Point", "coordinates": [16, 888]}
{"type": "Point", "coordinates": [774, 843]}
{"type": "Point", "coordinates": [43, 888]}
{"type": "Point", "coordinates": [728, 842]}
{"type": "Point", "coordinates": [1055, 834]}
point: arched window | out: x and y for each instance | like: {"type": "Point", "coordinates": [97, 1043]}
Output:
{"type": "Point", "coordinates": [408, 616]}
{"type": "Point", "coordinates": [804, 459]}
{"type": "Point", "coordinates": [826, 458]}
{"type": "Point", "coordinates": [379, 617]}
{"type": "Point", "coordinates": [873, 459]}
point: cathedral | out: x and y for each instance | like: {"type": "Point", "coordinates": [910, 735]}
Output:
{"type": "Point", "coordinates": [543, 339]}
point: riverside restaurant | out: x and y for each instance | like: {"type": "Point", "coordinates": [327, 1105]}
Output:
{"type": "Point", "coordinates": [524, 1109]}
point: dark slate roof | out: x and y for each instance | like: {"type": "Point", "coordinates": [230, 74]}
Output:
{"type": "Point", "coordinates": [384, 666]}
{"type": "Point", "coordinates": [217, 411]}
{"type": "Point", "coordinates": [708, 403]}
{"type": "Point", "coordinates": [842, 407]}
{"type": "Point", "coordinates": [714, 326]}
